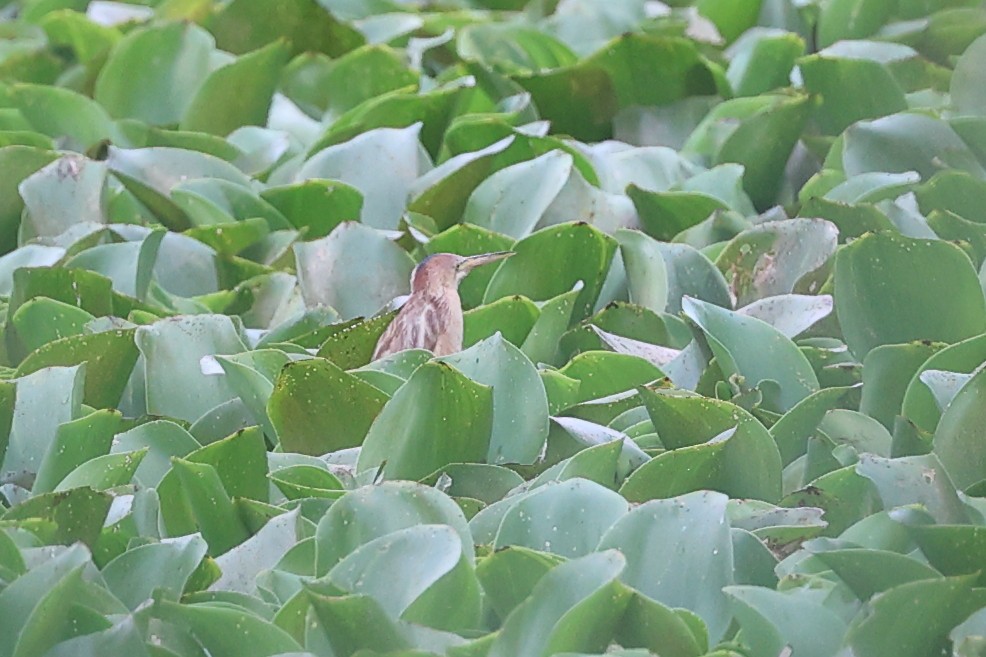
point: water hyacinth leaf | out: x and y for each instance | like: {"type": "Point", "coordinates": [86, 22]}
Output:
{"type": "Point", "coordinates": [335, 270]}
{"type": "Point", "coordinates": [543, 519]}
{"type": "Point", "coordinates": [906, 142]}
{"type": "Point", "coordinates": [210, 505]}
{"type": "Point", "coordinates": [75, 443]}
{"type": "Point", "coordinates": [921, 614]}
{"type": "Point", "coordinates": [891, 289]}
{"type": "Point", "coordinates": [919, 405]}
{"type": "Point", "coordinates": [791, 314]}
{"type": "Point", "coordinates": [301, 481]}
{"type": "Point", "coordinates": [172, 351]}
{"type": "Point", "coordinates": [170, 61]}
{"type": "Point", "coordinates": [317, 206]}
{"type": "Point", "coordinates": [852, 89]}
{"type": "Point", "coordinates": [957, 440]}
{"type": "Point", "coordinates": [374, 511]}
{"type": "Point", "coordinates": [887, 373]}
{"type": "Point", "coordinates": [574, 607]}
{"type": "Point", "coordinates": [671, 544]}
{"type": "Point", "coordinates": [768, 259]}
{"type": "Point", "coordinates": [343, 619]}
{"type": "Point", "coordinates": [103, 472]}
{"type": "Point", "coordinates": [67, 191]}
{"type": "Point", "coordinates": [571, 252]}
{"type": "Point", "coordinates": [513, 200]}
{"type": "Point", "coordinates": [513, 317]}
{"type": "Point", "coordinates": [77, 514]}
{"type": "Point", "coordinates": [509, 575]}
{"type": "Point", "coordinates": [35, 420]}
{"type": "Point", "coordinates": [512, 48]}
{"type": "Point", "coordinates": [59, 112]}
{"type": "Point", "coordinates": [520, 404]}
{"type": "Point", "coordinates": [542, 342]}
{"type": "Point", "coordinates": [221, 629]}
{"type": "Point", "coordinates": [109, 357]}
{"type": "Point", "coordinates": [412, 573]}
{"type": "Point", "coordinates": [354, 163]}
{"type": "Point", "coordinates": [667, 214]}
{"type": "Point", "coordinates": [351, 344]}
{"type": "Point", "coordinates": [250, 80]}
{"type": "Point", "coordinates": [407, 441]}
{"type": "Point", "coordinates": [772, 620]}
{"type": "Point", "coordinates": [762, 60]}
{"type": "Point", "coordinates": [19, 162]}
{"type": "Point", "coordinates": [261, 551]}
{"type": "Point", "coordinates": [914, 480]}
{"type": "Point", "coordinates": [134, 575]}
{"type": "Point", "coordinates": [129, 265]}
{"type": "Point", "coordinates": [967, 81]}
{"type": "Point", "coordinates": [163, 439]}
{"type": "Point", "coordinates": [58, 614]}
{"type": "Point", "coordinates": [245, 25]}
{"type": "Point", "coordinates": [730, 336]}
{"type": "Point", "coordinates": [603, 373]}
{"type": "Point", "coordinates": [316, 408]}
{"type": "Point", "coordinates": [647, 273]}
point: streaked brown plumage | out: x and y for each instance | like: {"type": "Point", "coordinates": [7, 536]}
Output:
{"type": "Point", "coordinates": [432, 316]}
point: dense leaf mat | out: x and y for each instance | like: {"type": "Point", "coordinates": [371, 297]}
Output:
{"type": "Point", "coordinates": [726, 399]}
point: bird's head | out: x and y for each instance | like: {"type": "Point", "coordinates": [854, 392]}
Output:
{"type": "Point", "coordinates": [447, 269]}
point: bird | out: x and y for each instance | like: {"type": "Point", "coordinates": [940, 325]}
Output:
{"type": "Point", "coordinates": [431, 318]}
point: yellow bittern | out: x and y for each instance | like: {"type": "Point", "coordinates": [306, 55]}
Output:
{"type": "Point", "coordinates": [432, 316]}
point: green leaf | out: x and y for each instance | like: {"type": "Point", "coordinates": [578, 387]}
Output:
{"type": "Point", "coordinates": [134, 575]}
{"type": "Point", "coordinates": [731, 337]}
{"type": "Point", "coordinates": [59, 112]}
{"type": "Point", "coordinates": [773, 620]}
{"type": "Point", "coordinates": [222, 630]}
{"type": "Point", "coordinates": [76, 442]}
{"type": "Point", "coordinates": [421, 574]}
{"type": "Point", "coordinates": [103, 472]}
{"type": "Point", "coordinates": [316, 205]}
{"type": "Point", "coordinates": [261, 551]}
{"type": "Point", "coordinates": [17, 162]}
{"type": "Point", "coordinates": [967, 81]}
{"type": "Point", "coordinates": [245, 25]}
{"type": "Point", "coordinates": [956, 440]}
{"type": "Point", "coordinates": [77, 514]}
{"type": "Point", "coordinates": [316, 408]}
{"type": "Point", "coordinates": [906, 142]}
{"type": "Point", "coordinates": [509, 575]}
{"type": "Point", "coordinates": [761, 61]}
{"type": "Point", "coordinates": [914, 480]}
{"type": "Point", "coordinates": [210, 505]}
{"type": "Point", "coordinates": [891, 289]}
{"type": "Point", "coordinates": [410, 440]}
{"type": "Point", "coordinates": [852, 19]}
{"type": "Point", "coordinates": [914, 618]}
{"type": "Point", "coordinates": [520, 404]}
{"type": "Point", "coordinates": [570, 252]}
{"type": "Point", "coordinates": [542, 519]}
{"type": "Point", "coordinates": [332, 270]}
{"type": "Point", "coordinates": [237, 94]}
{"type": "Point", "coordinates": [374, 511]}
{"type": "Point", "coordinates": [154, 73]}
{"type": "Point", "coordinates": [575, 607]}
{"type": "Point", "coordinates": [172, 350]}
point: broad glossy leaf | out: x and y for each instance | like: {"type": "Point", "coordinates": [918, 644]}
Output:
{"type": "Point", "coordinates": [509, 575]}
{"type": "Point", "coordinates": [410, 440]}
{"type": "Point", "coordinates": [354, 162]}
{"type": "Point", "coordinates": [761, 60]}
{"type": "Point", "coordinates": [520, 404]}
{"type": "Point", "coordinates": [237, 94]}
{"type": "Point", "coordinates": [906, 142]}
{"type": "Point", "coordinates": [421, 574]}
{"type": "Point", "coordinates": [967, 80]}
{"type": "Point", "coordinates": [317, 408]}
{"type": "Point", "coordinates": [172, 350]}
{"type": "Point", "coordinates": [222, 629]}
{"type": "Point", "coordinates": [77, 515]}
{"type": "Point", "coordinates": [679, 552]}
{"type": "Point", "coordinates": [546, 518]}
{"type": "Point", "coordinates": [59, 112]}
{"type": "Point", "coordinates": [773, 620]}
{"type": "Point", "coordinates": [164, 440]}
{"type": "Point", "coordinates": [731, 337]}
{"type": "Point", "coordinates": [210, 505]}
{"type": "Point", "coordinates": [70, 190]}
{"type": "Point", "coordinates": [241, 565]}
{"type": "Point", "coordinates": [134, 575]}
{"type": "Point", "coordinates": [958, 441]}
{"type": "Point", "coordinates": [891, 289]}
{"type": "Point", "coordinates": [153, 73]}
{"type": "Point", "coordinates": [333, 271]}
{"type": "Point", "coordinates": [374, 511]}
{"type": "Point", "coordinates": [914, 480]}
{"type": "Point", "coordinates": [768, 259]}
{"type": "Point", "coordinates": [575, 607]}
{"type": "Point", "coordinates": [245, 25]}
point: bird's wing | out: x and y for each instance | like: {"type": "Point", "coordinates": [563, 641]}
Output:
{"type": "Point", "coordinates": [417, 325]}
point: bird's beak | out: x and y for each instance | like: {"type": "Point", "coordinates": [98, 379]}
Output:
{"type": "Point", "coordinates": [471, 262]}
